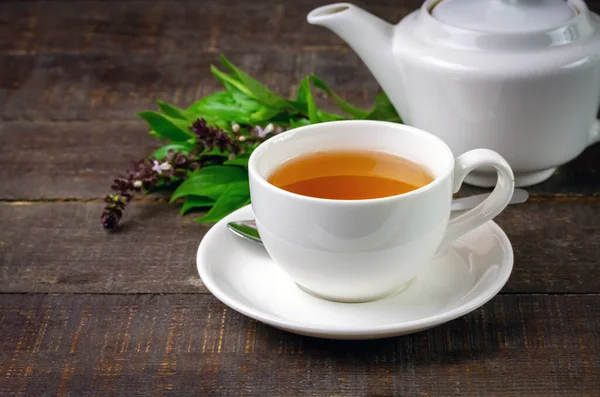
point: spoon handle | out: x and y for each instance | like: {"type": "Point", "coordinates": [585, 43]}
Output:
{"type": "Point", "coordinates": [247, 228]}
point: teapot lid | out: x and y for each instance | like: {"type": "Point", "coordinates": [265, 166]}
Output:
{"type": "Point", "coordinates": [504, 16]}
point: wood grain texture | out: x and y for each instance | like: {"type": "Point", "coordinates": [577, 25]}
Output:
{"type": "Point", "coordinates": [79, 160]}
{"type": "Point", "coordinates": [116, 87]}
{"type": "Point", "coordinates": [73, 74]}
{"type": "Point", "coordinates": [84, 60]}
{"type": "Point", "coordinates": [68, 160]}
{"type": "Point", "coordinates": [132, 53]}
{"type": "Point", "coordinates": [61, 248]}
{"type": "Point", "coordinates": [175, 345]}
{"type": "Point", "coordinates": [166, 28]}
{"type": "Point", "coordinates": [580, 176]}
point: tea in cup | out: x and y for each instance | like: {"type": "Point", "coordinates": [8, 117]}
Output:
{"type": "Point", "coordinates": [353, 210]}
{"type": "Point", "coordinates": [349, 175]}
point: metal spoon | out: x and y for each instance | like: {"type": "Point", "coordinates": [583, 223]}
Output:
{"type": "Point", "coordinates": [247, 228]}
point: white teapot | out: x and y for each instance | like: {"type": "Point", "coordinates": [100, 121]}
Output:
{"type": "Point", "coordinates": [520, 77]}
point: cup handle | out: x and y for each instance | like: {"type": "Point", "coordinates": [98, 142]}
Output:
{"type": "Point", "coordinates": [491, 206]}
{"type": "Point", "coordinates": [594, 133]}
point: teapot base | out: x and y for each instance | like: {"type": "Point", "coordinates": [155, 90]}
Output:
{"type": "Point", "coordinates": [522, 179]}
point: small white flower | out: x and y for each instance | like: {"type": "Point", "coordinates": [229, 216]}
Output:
{"type": "Point", "coordinates": [165, 166]}
{"type": "Point", "coordinates": [235, 128]}
{"type": "Point", "coordinates": [137, 184]}
{"type": "Point", "coordinates": [259, 131]}
{"type": "Point", "coordinates": [156, 167]}
{"type": "Point", "coordinates": [242, 138]}
{"type": "Point", "coordinates": [269, 128]}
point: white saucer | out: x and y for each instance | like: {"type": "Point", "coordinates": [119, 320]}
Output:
{"type": "Point", "coordinates": [241, 274]}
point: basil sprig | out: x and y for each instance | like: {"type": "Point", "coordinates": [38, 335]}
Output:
{"type": "Point", "coordinates": [204, 158]}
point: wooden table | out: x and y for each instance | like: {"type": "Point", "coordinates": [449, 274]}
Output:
{"type": "Point", "coordinates": [83, 312]}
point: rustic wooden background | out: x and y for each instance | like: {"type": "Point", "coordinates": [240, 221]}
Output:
{"type": "Point", "coordinates": [83, 312]}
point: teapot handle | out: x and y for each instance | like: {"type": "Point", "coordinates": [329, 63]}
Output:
{"type": "Point", "coordinates": [594, 133]}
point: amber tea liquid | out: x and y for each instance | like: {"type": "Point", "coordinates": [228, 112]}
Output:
{"type": "Point", "coordinates": [350, 175]}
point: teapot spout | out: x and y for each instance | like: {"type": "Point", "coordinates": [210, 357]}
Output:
{"type": "Point", "coordinates": [369, 36]}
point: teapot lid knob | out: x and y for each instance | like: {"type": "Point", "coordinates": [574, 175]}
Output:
{"type": "Point", "coordinates": [504, 16]}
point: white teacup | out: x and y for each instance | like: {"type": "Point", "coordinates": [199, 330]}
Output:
{"type": "Point", "coordinates": [361, 250]}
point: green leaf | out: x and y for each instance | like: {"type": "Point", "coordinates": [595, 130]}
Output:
{"type": "Point", "coordinates": [155, 134]}
{"type": "Point", "coordinates": [345, 106]}
{"type": "Point", "coordinates": [210, 182]}
{"type": "Point", "coordinates": [239, 161]}
{"type": "Point", "coordinates": [192, 202]}
{"type": "Point", "coordinates": [161, 152]}
{"type": "Point", "coordinates": [301, 94]}
{"type": "Point", "coordinates": [212, 160]}
{"type": "Point", "coordinates": [310, 101]}
{"type": "Point", "coordinates": [220, 106]}
{"type": "Point", "coordinates": [258, 90]}
{"type": "Point", "coordinates": [299, 122]}
{"type": "Point", "coordinates": [222, 124]}
{"type": "Point", "coordinates": [263, 115]}
{"type": "Point", "coordinates": [166, 127]}
{"type": "Point", "coordinates": [281, 119]}
{"type": "Point", "coordinates": [384, 110]}
{"type": "Point", "coordinates": [296, 107]}
{"type": "Point", "coordinates": [163, 187]}
{"type": "Point", "coordinates": [214, 152]}
{"type": "Point", "coordinates": [220, 173]}
{"type": "Point", "coordinates": [198, 187]}
{"type": "Point", "coordinates": [244, 101]}
{"type": "Point", "coordinates": [324, 116]}
{"type": "Point", "coordinates": [230, 81]}
{"type": "Point", "coordinates": [300, 102]}
{"type": "Point", "coordinates": [172, 110]}
{"type": "Point", "coordinates": [305, 100]}
{"type": "Point", "coordinates": [236, 196]}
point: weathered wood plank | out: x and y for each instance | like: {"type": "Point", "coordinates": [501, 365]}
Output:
{"type": "Point", "coordinates": [166, 28]}
{"type": "Point", "coordinates": [79, 160]}
{"type": "Point", "coordinates": [114, 87]}
{"type": "Point", "coordinates": [193, 345]}
{"type": "Point", "coordinates": [68, 160]}
{"type": "Point", "coordinates": [61, 248]}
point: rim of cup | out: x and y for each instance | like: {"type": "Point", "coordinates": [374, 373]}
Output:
{"type": "Point", "coordinates": [281, 137]}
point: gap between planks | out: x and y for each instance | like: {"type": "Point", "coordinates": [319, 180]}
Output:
{"type": "Point", "coordinates": [533, 198]}
{"type": "Point", "coordinates": [309, 49]}
{"type": "Point", "coordinates": [566, 294]}
{"type": "Point", "coordinates": [73, 122]}
{"type": "Point", "coordinates": [138, 200]}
